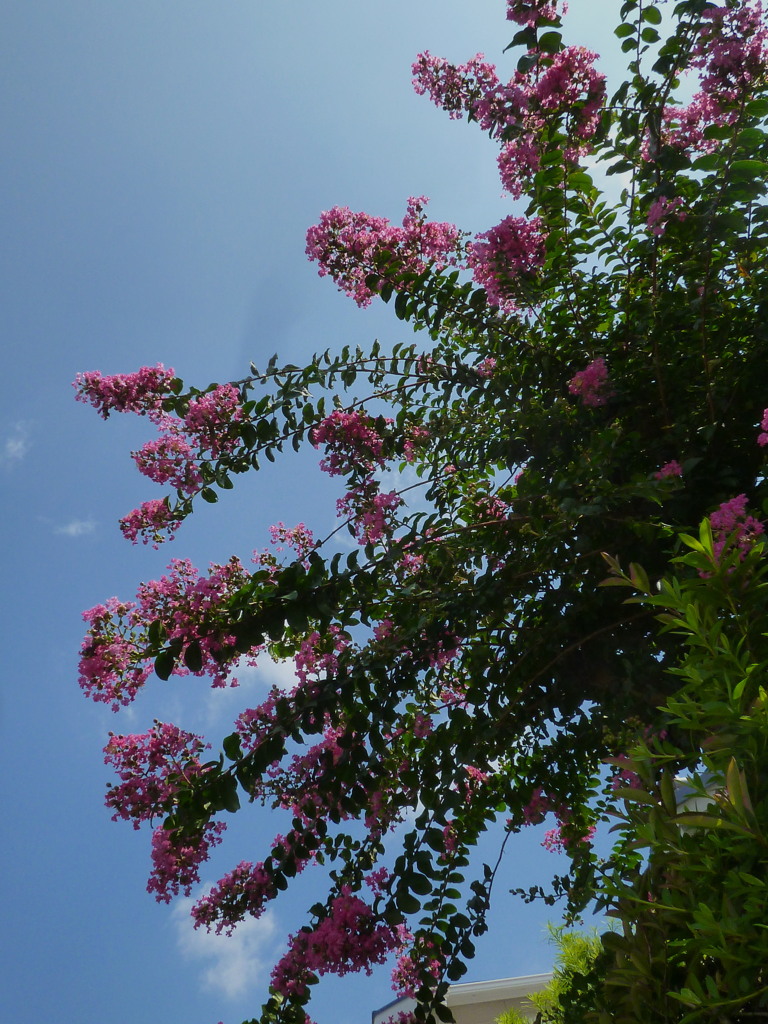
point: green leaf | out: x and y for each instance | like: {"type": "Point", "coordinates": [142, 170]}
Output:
{"type": "Point", "coordinates": [164, 664]}
{"type": "Point", "coordinates": [193, 657]}
{"type": "Point", "coordinates": [232, 746]}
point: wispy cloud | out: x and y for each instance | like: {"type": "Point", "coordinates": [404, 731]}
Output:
{"type": "Point", "coordinates": [76, 528]}
{"type": "Point", "coordinates": [14, 445]}
{"type": "Point", "coordinates": [223, 704]}
{"type": "Point", "coordinates": [235, 963]}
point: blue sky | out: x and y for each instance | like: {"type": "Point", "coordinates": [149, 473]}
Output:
{"type": "Point", "coordinates": [163, 160]}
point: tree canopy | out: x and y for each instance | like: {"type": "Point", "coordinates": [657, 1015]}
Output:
{"type": "Point", "coordinates": [572, 615]}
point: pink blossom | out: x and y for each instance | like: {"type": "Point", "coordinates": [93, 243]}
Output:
{"type": "Point", "coordinates": [299, 538]}
{"type": "Point", "coordinates": [318, 654]}
{"type": "Point", "coordinates": [591, 384]}
{"type": "Point", "coordinates": [422, 725]}
{"type": "Point", "coordinates": [210, 417]}
{"type": "Point", "coordinates": [112, 668]}
{"type": "Point", "coordinates": [537, 807]}
{"type": "Point", "coordinates": [415, 438]}
{"type": "Point", "coordinates": [555, 841]}
{"type": "Point", "coordinates": [444, 651]}
{"type": "Point", "coordinates": [346, 941]}
{"type": "Point", "coordinates": [486, 367]}
{"type": "Point", "coordinates": [169, 459]}
{"type": "Point", "coordinates": [116, 657]}
{"type": "Point", "coordinates": [353, 246]}
{"type": "Point", "coordinates": [518, 161]}
{"type": "Point", "coordinates": [151, 767]}
{"type": "Point", "coordinates": [731, 50]}
{"type": "Point", "coordinates": [420, 964]}
{"type": "Point", "coordinates": [570, 83]}
{"type": "Point", "coordinates": [511, 250]}
{"type": "Point", "coordinates": [531, 12]}
{"type": "Point", "coordinates": [176, 860]}
{"type": "Point", "coordinates": [672, 468]}
{"type": "Point", "coordinates": [476, 779]}
{"type": "Point", "coordinates": [371, 513]}
{"type": "Point", "coordinates": [244, 892]}
{"type": "Point", "coordinates": [352, 440]}
{"type": "Point", "coordinates": [455, 88]}
{"type": "Point", "coordinates": [625, 776]}
{"type": "Point", "coordinates": [383, 631]}
{"type": "Point", "coordinates": [731, 53]}
{"type": "Point", "coordinates": [141, 392]}
{"type": "Point", "coordinates": [660, 213]}
{"type": "Point", "coordinates": [150, 521]}
{"type": "Point", "coordinates": [450, 838]}
{"type": "Point", "coordinates": [731, 524]}
{"type": "Point", "coordinates": [762, 438]}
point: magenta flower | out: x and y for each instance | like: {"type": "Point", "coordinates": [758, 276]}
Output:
{"type": "Point", "coordinates": [591, 384]}
{"type": "Point", "coordinates": [731, 524]}
{"type": "Point", "coordinates": [672, 468]}
{"type": "Point", "coordinates": [353, 246]}
{"type": "Point", "coordinates": [530, 12]}
{"type": "Point", "coordinates": [762, 438]}
{"type": "Point", "coordinates": [511, 250]}
{"type": "Point", "coordinates": [153, 521]}
{"type": "Point", "coordinates": [660, 213]}
{"type": "Point", "coordinates": [141, 392]}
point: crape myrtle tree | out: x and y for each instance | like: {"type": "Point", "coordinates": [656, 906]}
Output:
{"type": "Point", "coordinates": [586, 386]}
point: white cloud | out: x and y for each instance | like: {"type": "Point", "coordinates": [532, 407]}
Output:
{"type": "Point", "coordinates": [231, 964]}
{"type": "Point", "coordinates": [76, 528]}
{"type": "Point", "coordinates": [14, 447]}
{"type": "Point", "coordinates": [254, 681]}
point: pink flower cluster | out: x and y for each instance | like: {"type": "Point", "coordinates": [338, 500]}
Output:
{"type": "Point", "coordinates": [732, 50]}
{"type": "Point", "coordinates": [353, 246]}
{"type": "Point", "coordinates": [731, 53]}
{"type": "Point", "coordinates": [660, 213]}
{"type": "Point", "coordinates": [762, 438]}
{"type": "Point", "coordinates": [537, 808]}
{"type": "Point", "coordinates": [457, 88]}
{"type": "Point", "coordinates": [141, 392]}
{"type": "Point", "coordinates": [299, 538]}
{"type": "Point", "coordinates": [511, 250]}
{"type": "Point", "coordinates": [556, 841]}
{"type": "Point", "coordinates": [732, 526]}
{"type": "Point", "coordinates": [444, 651]}
{"type": "Point", "coordinates": [114, 663]}
{"type": "Point", "coordinates": [422, 963]}
{"type": "Point", "coordinates": [415, 438]}
{"type": "Point", "coordinates": [176, 860]}
{"type": "Point", "coordinates": [486, 367]}
{"type": "Point", "coordinates": [319, 654]}
{"type": "Point", "coordinates": [153, 521]}
{"type": "Point", "coordinates": [531, 12]}
{"type": "Point", "coordinates": [209, 419]}
{"type": "Point", "coordinates": [244, 891]}
{"type": "Point", "coordinates": [669, 469]}
{"type": "Point", "coordinates": [370, 512]}
{"type": "Point", "coordinates": [352, 441]}
{"type": "Point", "coordinates": [591, 384]}
{"type": "Point", "coordinates": [169, 459]}
{"type": "Point", "coordinates": [347, 940]}
{"type": "Point", "coordinates": [150, 767]}
{"type": "Point", "coordinates": [208, 430]}
{"type": "Point", "coordinates": [112, 668]}
{"type": "Point", "coordinates": [205, 431]}
{"type": "Point", "coordinates": [564, 83]}
{"type": "Point", "coordinates": [625, 777]}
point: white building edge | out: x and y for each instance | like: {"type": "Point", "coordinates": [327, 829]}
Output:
{"type": "Point", "coordinates": [479, 1002]}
